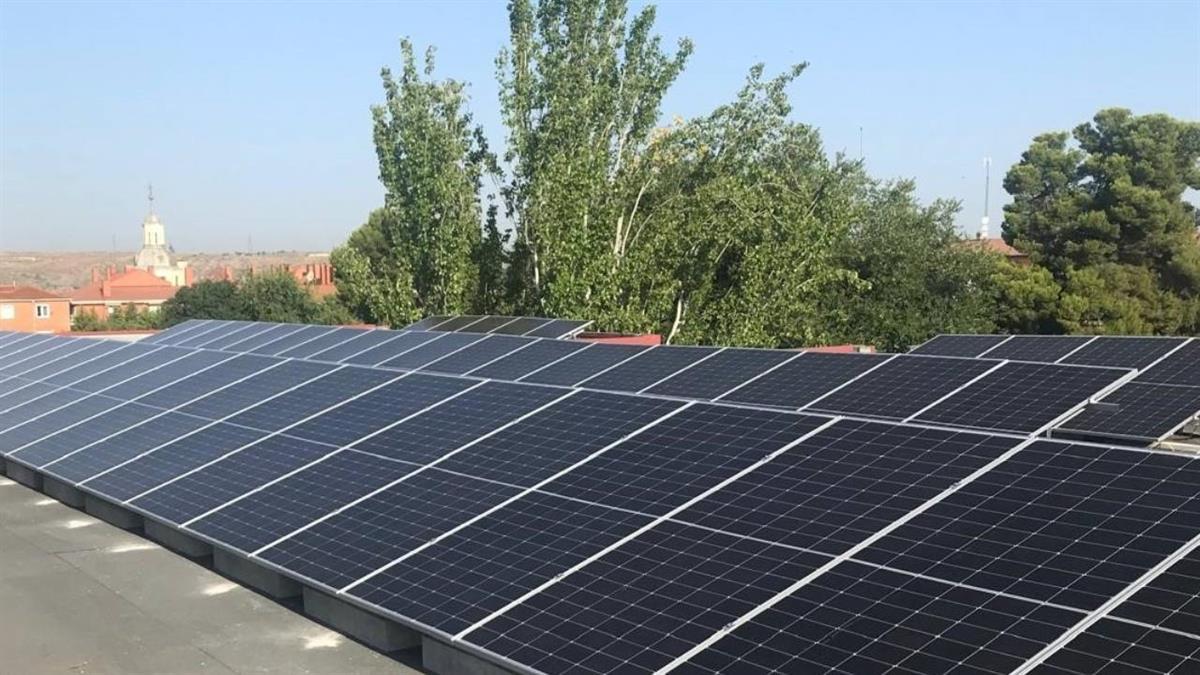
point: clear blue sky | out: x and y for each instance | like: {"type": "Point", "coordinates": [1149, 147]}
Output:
{"type": "Point", "coordinates": [252, 119]}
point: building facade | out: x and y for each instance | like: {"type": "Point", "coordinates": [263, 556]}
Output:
{"type": "Point", "coordinates": [32, 310]}
{"type": "Point", "coordinates": [113, 290]}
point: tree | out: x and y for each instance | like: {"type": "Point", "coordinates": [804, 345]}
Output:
{"type": "Point", "coordinates": [205, 300]}
{"type": "Point", "coordinates": [418, 254]}
{"type": "Point", "coordinates": [278, 297]}
{"type": "Point", "coordinates": [1026, 298]}
{"type": "Point", "coordinates": [1106, 216]}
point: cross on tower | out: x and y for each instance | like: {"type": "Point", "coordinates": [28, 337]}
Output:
{"type": "Point", "coordinates": [150, 195]}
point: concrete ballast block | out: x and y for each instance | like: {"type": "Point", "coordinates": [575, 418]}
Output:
{"type": "Point", "coordinates": [443, 659]}
{"type": "Point", "coordinates": [176, 540]}
{"type": "Point", "coordinates": [375, 631]}
{"type": "Point", "coordinates": [118, 516]}
{"type": "Point", "coordinates": [63, 492]}
{"type": "Point", "coordinates": [254, 575]}
{"type": "Point", "coordinates": [23, 475]}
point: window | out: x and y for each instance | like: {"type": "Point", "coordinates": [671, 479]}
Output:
{"type": "Point", "coordinates": [7, 312]}
{"type": "Point", "coordinates": [43, 311]}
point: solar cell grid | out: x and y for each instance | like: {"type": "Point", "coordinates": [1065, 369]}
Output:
{"type": "Point", "coordinates": [320, 344]}
{"type": "Point", "coordinates": [1182, 367]}
{"type": "Point", "coordinates": [444, 345]}
{"type": "Point", "coordinates": [37, 407]}
{"type": "Point", "coordinates": [210, 328]}
{"type": "Point", "coordinates": [903, 386]}
{"type": "Point", "coordinates": [1117, 648]}
{"type": "Point", "coordinates": [37, 426]}
{"type": "Point", "coordinates": [489, 324]}
{"type": "Point", "coordinates": [1040, 348]}
{"type": "Point", "coordinates": [169, 333]}
{"type": "Point", "coordinates": [477, 354]}
{"type": "Point", "coordinates": [481, 568]}
{"type": "Point", "coordinates": [1021, 396]}
{"type": "Point", "coordinates": [293, 339]}
{"type": "Point", "coordinates": [1142, 411]}
{"type": "Point", "coordinates": [56, 445]}
{"type": "Point", "coordinates": [583, 364]}
{"type": "Point", "coordinates": [398, 344]}
{"type": "Point", "coordinates": [645, 603]}
{"type": "Point", "coordinates": [720, 373]}
{"type": "Point", "coordinates": [283, 507]}
{"type": "Point", "coordinates": [111, 353]}
{"type": "Point", "coordinates": [377, 409]}
{"type": "Point", "coordinates": [863, 620]}
{"type": "Point", "coordinates": [458, 323]}
{"type": "Point", "coordinates": [37, 356]}
{"type": "Point", "coordinates": [19, 394]}
{"type": "Point", "coordinates": [680, 457]}
{"type": "Point", "coordinates": [1065, 523]}
{"type": "Point", "coordinates": [803, 379]}
{"type": "Point", "coordinates": [959, 345]}
{"type": "Point", "coordinates": [363, 341]}
{"type": "Point", "coordinates": [537, 355]}
{"type": "Point", "coordinates": [125, 363]}
{"type": "Point", "coordinates": [253, 390]}
{"type": "Point", "coordinates": [194, 494]}
{"type": "Point", "coordinates": [261, 338]}
{"type": "Point", "coordinates": [192, 376]}
{"type": "Point", "coordinates": [1123, 352]}
{"type": "Point", "coordinates": [427, 323]}
{"type": "Point", "coordinates": [521, 326]}
{"type": "Point", "coordinates": [171, 460]}
{"type": "Point", "coordinates": [844, 484]}
{"type": "Point", "coordinates": [435, 432]}
{"type": "Point", "coordinates": [113, 450]}
{"type": "Point", "coordinates": [1171, 600]}
{"type": "Point", "coordinates": [552, 440]}
{"type": "Point", "coordinates": [376, 531]}
{"type": "Point", "coordinates": [310, 398]}
{"type": "Point", "coordinates": [558, 328]}
{"type": "Point", "coordinates": [648, 368]}
{"type": "Point", "coordinates": [226, 338]}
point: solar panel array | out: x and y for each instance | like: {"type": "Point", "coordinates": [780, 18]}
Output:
{"type": "Point", "coordinates": [528, 326]}
{"type": "Point", "coordinates": [595, 508]}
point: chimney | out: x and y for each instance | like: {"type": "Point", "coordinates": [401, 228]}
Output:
{"type": "Point", "coordinates": [189, 276]}
{"type": "Point", "coordinates": [111, 271]}
{"type": "Point", "coordinates": [95, 276]}
{"type": "Point", "coordinates": [105, 289]}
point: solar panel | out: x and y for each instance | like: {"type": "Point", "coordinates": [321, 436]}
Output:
{"type": "Point", "coordinates": [552, 440]}
{"type": "Point", "coordinates": [682, 456]}
{"type": "Point", "coordinates": [1136, 411]}
{"type": "Point", "coordinates": [171, 460]}
{"type": "Point", "coordinates": [211, 328]}
{"type": "Point", "coordinates": [223, 339]}
{"type": "Point", "coordinates": [583, 364]}
{"type": "Point", "coordinates": [444, 345]}
{"type": "Point", "coordinates": [844, 484]}
{"type": "Point", "coordinates": [1056, 522]}
{"type": "Point", "coordinates": [860, 619]}
{"type": "Point", "coordinates": [435, 432]}
{"type": "Point", "coordinates": [376, 531]}
{"type": "Point", "coordinates": [1021, 396]}
{"type": "Point", "coordinates": [522, 326]}
{"type": "Point", "coordinates": [181, 381]}
{"type": "Point", "coordinates": [362, 342]}
{"type": "Point", "coordinates": [103, 455]}
{"type": "Point", "coordinates": [190, 495]}
{"type": "Point", "coordinates": [1041, 348]}
{"type": "Point", "coordinates": [176, 332]}
{"type": "Point", "coordinates": [35, 426]}
{"type": "Point", "coordinates": [457, 323]}
{"type": "Point", "coordinates": [294, 339]}
{"type": "Point", "coordinates": [1115, 647]}
{"type": "Point", "coordinates": [23, 393]}
{"type": "Point", "coordinates": [398, 344]}
{"type": "Point", "coordinates": [252, 391]}
{"type": "Point", "coordinates": [489, 324]}
{"type": "Point", "coordinates": [648, 368]}
{"type": "Point", "coordinates": [309, 398]}
{"type": "Point", "coordinates": [1181, 367]}
{"type": "Point", "coordinates": [126, 362]}
{"type": "Point", "coordinates": [89, 353]}
{"type": "Point", "coordinates": [281, 508]}
{"type": "Point", "coordinates": [720, 373]}
{"type": "Point", "coordinates": [804, 379]}
{"type": "Point", "coordinates": [558, 328]}
{"type": "Point", "coordinates": [477, 354]}
{"type": "Point", "coordinates": [1171, 600]}
{"type": "Point", "coordinates": [427, 323]}
{"type": "Point", "coordinates": [903, 386]}
{"type": "Point", "coordinates": [1123, 352]}
{"type": "Point", "coordinates": [37, 407]}
{"type": "Point", "coordinates": [39, 356]}
{"type": "Point", "coordinates": [265, 337]}
{"type": "Point", "coordinates": [56, 445]}
{"type": "Point", "coordinates": [537, 355]}
{"type": "Point", "coordinates": [320, 344]}
{"type": "Point", "coordinates": [958, 345]}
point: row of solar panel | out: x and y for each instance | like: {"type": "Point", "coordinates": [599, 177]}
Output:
{"type": "Point", "coordinates": [992, 395]}
{"type": "Point", "coordinates": [579, 531]}
{"type": "Point", "coordinates": [528, 326]}
{"type": "Point", "coordinates": [1158, 401]}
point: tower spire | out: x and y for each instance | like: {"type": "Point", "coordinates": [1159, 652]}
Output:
{"type": "Point", "coordinates": [150, 196]}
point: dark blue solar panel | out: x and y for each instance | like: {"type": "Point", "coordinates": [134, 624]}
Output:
{"type": "Point", "coordinates": [227, 338]}
{"type": "Point", "coordinates": [29, 347]}
{"type": "Point", "coordinates": [256, 389]}
{"type": "Point", "coordinates": [380, 529]}
{"type": "Point", "coordinates": [583, 364]}
{"type": "Point", "coordinates": [521, 326]}
{"type": "Point", "coordinates": [177, 332]}
{"type": "Point", "coordinates": [903, 386]}
{"type": "Point", "coordinates": [190, 378]}
{"type": "Point", "coordinates": [21, 392]}
{"type": "Point", "coordinates": [1042, 348]}
{"type": "Point", "coordinates": [1123, 352]}
{"type": "Point", "coordinates": [642, 605]}
{"type": "Point", "coordinates": [69, 439]}
{"type": "Point", "coordinates": [478, 570]}
{"type": "Point", "coordinates": [845, 483]}
{"type": "Point", "coordinates": [648, 368]}
{"type": "Point", "coordinates": [311, 398]}
{"type": "Point", "coordinates": [399, 344]}
{"type": "Point", "coordinates": [959, 345]}
{"type": "Point", "coordinates": [36, 357]}
{"type": "Point", "coordinates": [1117, 648]}
{"type": "Point", "coordinates": [326, 341]}
{"type": "Point", "coordinates": [110, 353]}
{"type": "Point", "coordinates": [1182, 367]}
{"type": "Point", "coordinates": [458, 322]}
{"type": "Point", "coordinates": [558, 328]}
{"type": "Point", "coordinates": [720, 373]}
{"type": "Point", "coordinates": [365, 340]}
{"type": "Point", "coordinates": [1138, 411]}
{"type": "Point", "coordinates": [803, 379]}
{"type": "Point", "coordinates": [124, 446]}
{"type": "Point", "coordinates": [265, 337]}
{"type": "Point", "coordinates": [680, 457]}
{"type": "Point", "coordinates": [478, 354]}
{"type": "Point", "coordinates": [1171, 600]}
{"type": "Point", "coordinates": [208, 488]}
{"type": "Point", "coordinates": [1057, 522]}
{"type": "Point", "coordinates": [538, 355]}
{"type": "Point", "coordinates": [37, 407]}
{"type": "Point", "coordinates": [172, 460]}
{"type": "Point", "coordinates": [221, 329]}
{"type": "Point", "coordinates": [115, 366]}
{"type": "Point", "coordinates": [555, 438]}
{"type": "Point", "coordinates": [303, 336]}
{"type": "Point", "coordinates": [37, 427]}
{"type": "Point", "coordinates": [444, 345]}
{"type": "Point", "coordinates": [427, 323]}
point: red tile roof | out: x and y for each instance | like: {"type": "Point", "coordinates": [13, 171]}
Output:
{"type": "Point", "coordinates": [133, 285]}
{"type": "Point", "coordinates": [14, 292]}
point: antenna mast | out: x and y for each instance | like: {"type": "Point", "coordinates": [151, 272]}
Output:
{"type": "Point", "coordinates": [987, 190]}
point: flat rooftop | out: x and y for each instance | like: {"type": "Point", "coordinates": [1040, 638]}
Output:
{"type": "Point", "coordinates": [80, 596]}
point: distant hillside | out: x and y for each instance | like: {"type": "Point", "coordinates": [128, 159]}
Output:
{"type": "Point", "coordinates": [62, 271]}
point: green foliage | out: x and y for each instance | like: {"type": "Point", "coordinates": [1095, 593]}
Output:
{"type": "Point", "coordinates": [276, 296]}
{"type": "Point", "coordinates": [270, 296]}
{"type": "Point", "coordinates": [128, 317]}
{"type": "Point", "coordinates": [1026, 298]}
{"type": "Point", "coordinates": [205, 300]}
{"type": "Point", "coordinates": [1106, 217]}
